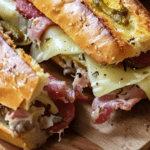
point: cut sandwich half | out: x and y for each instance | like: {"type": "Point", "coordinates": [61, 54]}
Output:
{"type": "Point", "coordinates": [28, 115]}
{"type": "Point", "coordinates": [95, 45]}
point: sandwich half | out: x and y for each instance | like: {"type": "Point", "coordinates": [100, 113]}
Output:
{"type": "Point", "coordinates": [103, 43]}
{"type": "Point", "coordinates": [28, 115]}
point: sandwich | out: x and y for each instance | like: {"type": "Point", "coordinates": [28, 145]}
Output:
{"type": "Point", "coordinates": [32, 106]}
{"type": "Point", "coordinates": [104, 44]}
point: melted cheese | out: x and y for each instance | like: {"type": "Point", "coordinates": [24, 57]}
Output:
{"type": "Point", "coordinates": [53, 42]}
{"type": "Point", "coordinates": [105, 79]}
{"type": "Point", "coordinates": [145, 85]}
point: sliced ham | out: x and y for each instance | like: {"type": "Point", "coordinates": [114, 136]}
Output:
{"type": "Point", "coordinates": [19, 113]}
{"type": "Point", "coordinates": [125, 99]}
{"type": "Point", "coordinates": [38, 27]}
{"type": "Point", "coordinates": [27, 9]}
{"type": "Point", "coordinates": [67, 111]}
{"type": "Point", "coordinates": [59, 91]}
{"type": "Point", "coordinates": [80, 96]}
{"type": "Point", "coordinates": [81, 79]}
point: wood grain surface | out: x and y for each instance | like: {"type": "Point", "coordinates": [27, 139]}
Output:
{"type": "Point", "coordinates": [70, 141]}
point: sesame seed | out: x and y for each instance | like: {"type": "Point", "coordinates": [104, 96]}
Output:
{"type": "Point", "coordinates": [96, 48]}
{"type": "Point", "coordinates": [113, 58]}
{"type": "Point", "coordinates": [70, 24]}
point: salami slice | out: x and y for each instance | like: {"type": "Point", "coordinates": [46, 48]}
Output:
{"type": "Point", "coordinates": [27, 9]}
{"type": "Point", "coordinates": [67, 111]}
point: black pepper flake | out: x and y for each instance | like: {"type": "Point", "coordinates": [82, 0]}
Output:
{"type": "Point", "coordinates": [132, 41]}
{"type": "Point", "coordinates": [95, 74]}
{"type": "Point", "coordinates": [14, 66]}
{"type": "Point", "coordinates": [92, 43]}
{"type": "Point", "coordinates": [47, 39]}
{"type": "Point", "coordinates": [97, 84]}
{"type": "Point", "coordinates": [121, 79]}
{"type": "Point", "coordinates": [105, 75]}
{"type": "Point", "coordinates": [124, 66]}
{"type": "Point", "coordinates": [82, 57]}
{"type": "Point", "coordinates": [72, 64]}
{"type": "Point", "coordinates": [79, 75]}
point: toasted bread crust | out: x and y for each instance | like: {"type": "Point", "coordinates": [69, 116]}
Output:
{"type": "Point", "coordinates": [94, 32]}
{"type": "Point", "coordinates": [18, 79]}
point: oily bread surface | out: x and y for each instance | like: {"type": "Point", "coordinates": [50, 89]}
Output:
{"type": "Point", "coordinates": [96, 34]}
{"type": "Point", "coordinates": [27, 141]}
{"type": "Point", "coordinates": [18, 80]}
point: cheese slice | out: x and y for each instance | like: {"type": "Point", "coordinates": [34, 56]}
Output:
{"type": "Point", "coordinates": [53, 42]}
{"type": "Point", "coordinates": [145, 86]}
{"type": "Point", "coordinates": [105, 79]}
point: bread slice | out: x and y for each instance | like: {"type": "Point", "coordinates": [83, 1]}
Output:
{"type": "Point", "coordinates": [104, 39]}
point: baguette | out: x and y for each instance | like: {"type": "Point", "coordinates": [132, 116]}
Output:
{"type": "Point", "coordinates": [96, 32]}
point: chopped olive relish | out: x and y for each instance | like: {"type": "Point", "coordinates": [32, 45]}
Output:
{"type": "Point", "coordinates": [118, 15]}
{"type": "Point", "coordinates": [15, 33]}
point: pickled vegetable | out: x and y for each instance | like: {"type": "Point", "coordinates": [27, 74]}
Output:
{"type": "Point", "coordinates": [118, 15]}
{"type": "Point", "coordinates": [15, 33]}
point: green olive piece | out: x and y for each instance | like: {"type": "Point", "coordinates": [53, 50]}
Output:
{"type": "Point", "coordinates": [16, 34]}
{"type": "Point", "coordinates": [118, 15]}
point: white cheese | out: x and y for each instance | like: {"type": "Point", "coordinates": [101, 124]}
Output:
{"type": "Point", "coordinates": [145, 86]}
{"type": "Point", "coordinates": [105, 79]}
{"type": "Point", "coordinates": [53, 42]}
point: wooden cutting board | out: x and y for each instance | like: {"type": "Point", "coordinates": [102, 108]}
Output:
{"type": "Point", "coordinates": [70, 141]}
{"type": "Point", "coordinates": [124, 131]}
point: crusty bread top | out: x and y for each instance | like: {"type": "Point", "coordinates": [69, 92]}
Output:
{"type": "Point", "coordinates": [96, 33]}
{"type": "Point", "coordinates": [17, 79]}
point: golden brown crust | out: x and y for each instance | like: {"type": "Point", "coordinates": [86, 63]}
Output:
{"type": "Point", "coordinates": [96, 35]}
{"type": "Point", "coordinates": [18, 80]}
